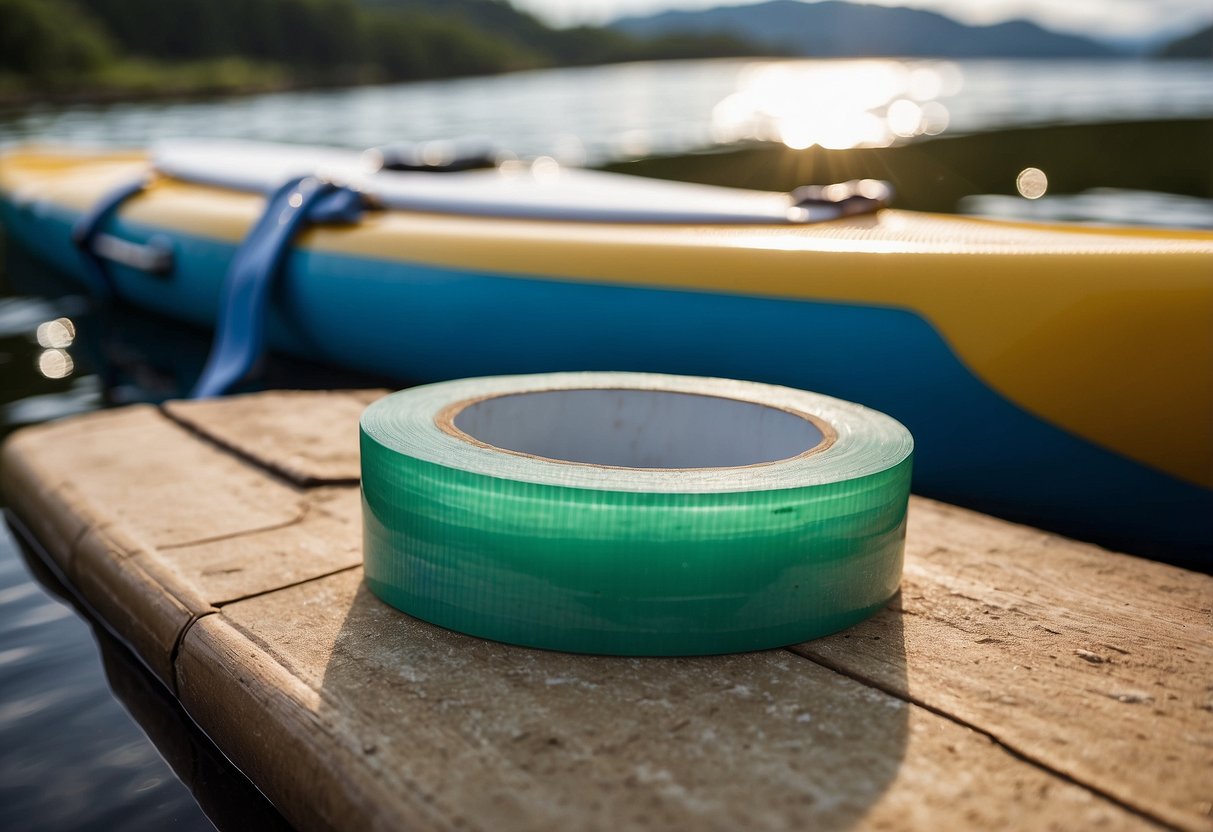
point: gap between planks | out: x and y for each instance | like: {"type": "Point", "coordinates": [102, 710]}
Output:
{"type": "Point", "coordinates": [277, 472]}
{"type": "Point", "coordinates": [251, 459]}
{"type": "Point", "coordinates": [1024, 757]}
{"type": "Point", "coordinates": [304, 484]}
{"type": "Point", "coordinates": [799, 652]}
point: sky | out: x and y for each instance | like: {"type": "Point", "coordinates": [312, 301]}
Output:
{"type": "Point", "coordinates": [1101, 18]}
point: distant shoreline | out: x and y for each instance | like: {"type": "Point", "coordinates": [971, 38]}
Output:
{"type": "Point", "coordinates": [26, 98]}
{"type": "Point", "coordinates": [68, 51]}
{"type": "Point", "coordinates": [17, 98]}
{"type": "Point", "coordinates": [63, 52]}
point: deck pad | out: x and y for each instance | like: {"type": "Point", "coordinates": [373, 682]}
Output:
{"type": "Point", "coordinates": [542, 190]}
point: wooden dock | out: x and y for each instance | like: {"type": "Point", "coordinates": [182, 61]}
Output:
{"type": "Point", "coordinates": [1020, 680]}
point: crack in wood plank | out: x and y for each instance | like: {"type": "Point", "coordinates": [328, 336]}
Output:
{"type": "Point", "coordinates": [1010, 748]}
{"type": "Point", "coordinates": [1028, 662]}
{"type": "Point", "coordinates": [477, 722]}
{"type": "Point", "coordinates": [993, 587]}
{"type": "Point", "coordinates": [799, 653]}
{"type": "Point", "coordinates": [300, 582]}
{"type": "Point", "coordinates": [304, 510]}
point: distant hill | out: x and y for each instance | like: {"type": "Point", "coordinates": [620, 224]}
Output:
{"type": "Point", "coordinates": [838, 29]}
{"type": "Point", "coordinates": [1199, 44]}
{"type": "Point", "coordinates": [577, 45]}
{"type": "Point", "coordinates": [109, 49]}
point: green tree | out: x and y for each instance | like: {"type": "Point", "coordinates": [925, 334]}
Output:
{"type": "Point", "coordinates": [144, 46]}
{"type": "Point", "coordinates": [50, 40]}
{"type": "Point", "coordinates": [403, 47]}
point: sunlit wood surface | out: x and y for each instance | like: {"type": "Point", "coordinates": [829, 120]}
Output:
{"type": "Point", "coordinates": [1020, 680]}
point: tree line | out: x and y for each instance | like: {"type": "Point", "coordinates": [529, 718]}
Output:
{"type": "Point", "coordinates": [83, 44]}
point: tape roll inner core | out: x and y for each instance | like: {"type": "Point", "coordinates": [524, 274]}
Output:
{"type": "Point", "coordinates": [636, 428]}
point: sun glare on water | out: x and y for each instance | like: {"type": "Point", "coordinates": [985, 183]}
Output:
{"type": "Point", "coordinates": [837, 104]}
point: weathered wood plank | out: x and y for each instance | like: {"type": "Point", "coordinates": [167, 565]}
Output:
{"type": "Point", "coordinates": [111, 495]}
{"type": "Point", "coordinates": [309, 437]}
{"type": "Point", "coordinates": [1088, 665]}
{"type": "Point", "coordinates": [137, 469]}
{"type": "Point", "coordinates": [35, 471]}
{"type": "Point", "coordinates": [1097, 665]}
{"type": "Point", "coordinates": [327, 538]}
{"type": "Point", "coordinates": [53, 515]}
{"type": "Point", "coordinates": [147, 605]}
{"type": "Point", "coordinates": [373, 719]}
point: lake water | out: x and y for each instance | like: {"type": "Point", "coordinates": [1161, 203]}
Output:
{"type": "Point", "coordinates": [597, 114]}
{"type": "Point", "coordinates": [70, 757]}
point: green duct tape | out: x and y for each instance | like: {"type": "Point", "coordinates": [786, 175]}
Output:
{"type": "Point", "coordinates": [632, 514]}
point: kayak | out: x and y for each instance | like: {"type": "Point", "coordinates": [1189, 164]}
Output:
{"type": "Point", "coordinates": [1058, 375]}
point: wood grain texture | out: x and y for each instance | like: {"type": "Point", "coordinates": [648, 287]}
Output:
{"type": "Point", "coordinates": [138, 597]}
{"type": "Point", "coordinates": [1020, 680]}
{"type": "Point", "coordinates": [326, 538]}
{"type": "Point", "coordinates": [137, 469]}
{"type": "Point", "coordinates": [408, 725]}
{"type": "Point", "coordinates": [36, 466]}
{"type": "Point", "coordinates": [309, 437]}
{"type": "Point", "coordinates": [1096, 664]}
{"type": "Point", "coordinates": [57, 517]}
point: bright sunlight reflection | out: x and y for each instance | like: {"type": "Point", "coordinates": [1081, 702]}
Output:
{"type": "Point", "coordinates": [837, 104]}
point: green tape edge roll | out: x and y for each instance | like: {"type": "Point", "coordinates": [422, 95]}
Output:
{"type": "Point", "coordinates": [622, 560]}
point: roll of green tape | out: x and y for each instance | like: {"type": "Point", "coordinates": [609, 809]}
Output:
{"type": "Point", "coordinates": [632, 514]}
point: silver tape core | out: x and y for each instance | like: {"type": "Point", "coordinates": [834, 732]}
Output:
{"type": "Point", "coordinates": [632, 428]}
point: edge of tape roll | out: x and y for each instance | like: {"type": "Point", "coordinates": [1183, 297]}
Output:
{"type": "Point", "coordinates": [630, 513]}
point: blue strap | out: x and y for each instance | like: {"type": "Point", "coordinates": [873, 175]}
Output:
{"type": "Point", "coordinates": [240, 328]}
{"type": "Point", "coordinates": [86, 229]}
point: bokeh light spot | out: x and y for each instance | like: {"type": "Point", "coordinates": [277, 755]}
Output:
{"type": "Point", "coordinates": [55, 363]}
{"type": "Point", "coordinates": [1032, 183]}
{"type": "Point", "coordinates": [905, 118]}
{"type": "Point", "coordinates": [57, 333]}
